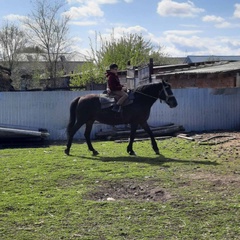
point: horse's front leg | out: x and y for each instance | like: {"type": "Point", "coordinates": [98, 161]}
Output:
{"type": "Point", "coordinates": [87, 133]}
{"type": "Point", "coordinates": [150, 133]}
{"type": "Point", "coordinates": [131, 139]}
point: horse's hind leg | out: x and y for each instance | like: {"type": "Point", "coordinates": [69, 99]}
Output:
{"type": "Point", "coordinates": [131, 139]}
{"type": "Point", "coordinates": [70, 134]}
{"type": "Point", "coordinates": [150, 133]}
{"type": "Point", "coordinates": [87, 133]}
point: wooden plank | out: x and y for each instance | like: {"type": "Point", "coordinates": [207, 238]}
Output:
{"type": "Point", "coordinates": [143, 139]}
{"type": "Point", "coordinates": [161, 131]}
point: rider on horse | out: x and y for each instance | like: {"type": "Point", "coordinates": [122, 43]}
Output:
{"type": "Point", "coordinates": [116, 89]}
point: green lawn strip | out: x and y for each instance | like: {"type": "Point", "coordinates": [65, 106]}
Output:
{"type": "Point", "coordinates": [47, 195]}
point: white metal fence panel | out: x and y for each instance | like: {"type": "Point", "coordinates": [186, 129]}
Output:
{"type": "Point", "coordinates": [201, 109]}
{"type": "Point", "coordinates": [197, 110]}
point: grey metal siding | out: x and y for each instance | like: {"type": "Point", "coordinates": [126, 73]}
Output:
{"type": "Point", "coordinates": [197, 110]}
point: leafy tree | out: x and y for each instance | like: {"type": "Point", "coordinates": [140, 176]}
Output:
{"type": "Point", "coordinates": [49, 28]}
{"type": "Point", "coordinates": [129, 47]}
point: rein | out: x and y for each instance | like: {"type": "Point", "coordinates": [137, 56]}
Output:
{"type": "Point", "coordinates": [147, 95]}
{"type": "Point", "coordinates": [160, 91]}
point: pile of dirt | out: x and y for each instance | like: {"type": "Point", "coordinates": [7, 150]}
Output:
{"type": "Point", "coordinates": [131, 190]}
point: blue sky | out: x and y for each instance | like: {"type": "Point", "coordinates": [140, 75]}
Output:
{"type": "Point", "coordinates": [181, 27]}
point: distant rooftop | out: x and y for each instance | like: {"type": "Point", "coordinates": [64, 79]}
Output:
{"type": "Point", "coordinates": [217, 67]}
{"type": "Point", "coordinates": [210, 58]}
{"type": "Point", "coordinates": [69, 57]}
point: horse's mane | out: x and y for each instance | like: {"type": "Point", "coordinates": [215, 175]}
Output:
{"type": "Point", "coordinates": [144, 88]}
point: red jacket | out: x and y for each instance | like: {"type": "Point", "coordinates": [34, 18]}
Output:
{"type": "Point", "coordinates": [113, 82]}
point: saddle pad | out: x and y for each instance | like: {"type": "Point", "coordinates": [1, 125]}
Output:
{"type": "Point", "coordinates": [106, 101]}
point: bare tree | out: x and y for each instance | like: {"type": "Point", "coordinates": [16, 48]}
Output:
{"type": "Point", "coordinates": [49, 29]}
{"type": "Point", "coordinates": [12, 41]}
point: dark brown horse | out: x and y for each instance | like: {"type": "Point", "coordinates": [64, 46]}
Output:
{"type": "Point", "coordinates": [87, 109]}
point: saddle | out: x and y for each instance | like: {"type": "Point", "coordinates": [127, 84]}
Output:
{"type": "Point", "coordinates": [107, 100]}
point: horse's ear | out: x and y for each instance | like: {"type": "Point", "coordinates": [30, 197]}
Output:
{"type": "Point", "coordinates": [165, 82]}
{"type": "Point", "coordinates": [161, 80]}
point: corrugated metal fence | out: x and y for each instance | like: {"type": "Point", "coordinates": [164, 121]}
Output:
{"type": "Point", "coordinates": [197, 110]}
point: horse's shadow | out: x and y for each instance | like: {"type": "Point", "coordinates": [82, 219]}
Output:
{"type": "Point", "coordinates": [158, 160]}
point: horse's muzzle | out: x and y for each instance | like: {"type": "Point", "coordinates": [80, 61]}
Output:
{"type": "Point", "coordinates": [172, 102]}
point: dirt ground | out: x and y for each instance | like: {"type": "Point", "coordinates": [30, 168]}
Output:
{"type": "Point", "coordinates": [225, 139]}
{"type": "Point", "coordinates": [130, 189]}
{"type": "Point", "coordinates": [222, 143]}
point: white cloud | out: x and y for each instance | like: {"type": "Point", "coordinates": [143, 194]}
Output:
{"type": "Point", "coordinates": [134, 29]}
{"type": "Point", "coordinates": [72, 1]}
{"type": "Point", "coordinates": [120, 31]}
{"type": "Point", "coordinates": [179, 45]}
{"type": "Point", "coordinates": [213, 18]}
{"type": "Point", "coordinates": [84, 23]}
{"type": "Point", "coordinates": [225, 25]}
{"type": "Point", "coordinates": [190, 25]}
{"type": "Point", "coordinates": [182, 32]}
{"type": "Point", "coordinates": [219, 21]}
{"type": "Point", "coordinates": [176, 9]}
{"type": "Point", "coordinates": [186, 42]}
{"type": "Point", "coordinates": [233, 42]}
{"type": "Point", "coordinates": [95, 1]}
{"type": "Point", "coordinates": [236, 13]}
{"type": "Point", "coordinates": [14, 17]}
{"type": "Point", "coordinates": [104, 1]}
{"type": "Point", "coordinates": [89, 10]}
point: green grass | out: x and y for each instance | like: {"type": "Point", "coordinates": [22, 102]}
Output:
{"type": "Point", "coordinates": [47, 195]}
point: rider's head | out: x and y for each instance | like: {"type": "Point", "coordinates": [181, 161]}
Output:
{"type": "Point", "coordinates": [113, 66]}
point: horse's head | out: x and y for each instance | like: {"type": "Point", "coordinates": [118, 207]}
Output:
{"type": "Point", "coordinates": [166, 95]}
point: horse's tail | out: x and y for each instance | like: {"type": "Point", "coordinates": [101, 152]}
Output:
{"type": "Point", "coordinates": [72, 118]}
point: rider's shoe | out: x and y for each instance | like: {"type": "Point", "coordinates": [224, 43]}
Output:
{"type": "Point", "coordinates": [116, 108]}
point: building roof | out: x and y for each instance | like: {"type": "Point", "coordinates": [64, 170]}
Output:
{"type": "Point", "coordinates": [210, 58]}
{"type": "Point", "coordinates": [217, 67]}
{"type": "Point", "coordinates": [69, 57]}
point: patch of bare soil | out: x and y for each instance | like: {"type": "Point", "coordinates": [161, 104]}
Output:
{"type": "Point", "coordinates": [217, 180]}
{"type": "Point", "coordinates": [214, 138]}
{"type": "Point", "coordinates": [223, 142]}
{"type": "Point", "coordinates": [130, 190]}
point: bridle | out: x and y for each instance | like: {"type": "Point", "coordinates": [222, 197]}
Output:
{"type": "Point", "coordinates": [160, 92]}
{"type": "Point", "coordinates": [165, 92]}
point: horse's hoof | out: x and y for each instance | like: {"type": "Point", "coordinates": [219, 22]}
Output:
{"type": "Point", "coordinates": [157, 152]}
{"type": "Point", "coordinates": [132, 153]}
{"type": "Point", "coordinates": [95, 153]}
{"type": "Point", "coordinates": [66, 151]}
